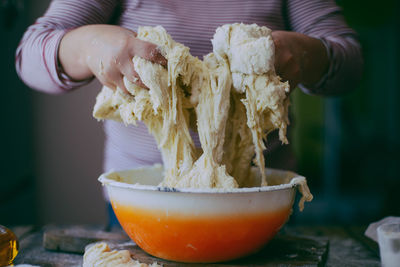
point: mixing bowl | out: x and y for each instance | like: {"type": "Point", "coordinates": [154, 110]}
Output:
{"type": "Point", "coordinates": [199, 225]}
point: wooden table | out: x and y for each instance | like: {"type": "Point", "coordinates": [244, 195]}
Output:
{"type": "Point", "coordinates": [343, 246]}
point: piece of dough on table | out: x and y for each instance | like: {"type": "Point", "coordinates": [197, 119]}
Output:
{"type": "Point", "coordinates": [100, 255]}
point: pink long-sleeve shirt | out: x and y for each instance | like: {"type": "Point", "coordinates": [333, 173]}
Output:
{"type": "Point", "coordinates": [192, 23]}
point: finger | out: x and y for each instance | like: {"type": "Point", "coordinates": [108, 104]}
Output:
{"type": "Point", "coordinates": [283, 62]}
{"type": "Point", "coordinates": [287, 66]}
{"type": "Point", "coordinates": [278, 64]}
{"type": "Point", "coordinates": [291, 73]}
{"type": "Point", "coordinates": [138, 81]}
{"type": "Point", "coordinates": [121, 85]}
{"type": "Point", "coordinates": [129, 72]}
{"type": "Point", "coordinates": [109, 75]}
{"type": "Point", "coordinates": [147, 51]}
{"type": "Point", "coordinates": [105, 82]}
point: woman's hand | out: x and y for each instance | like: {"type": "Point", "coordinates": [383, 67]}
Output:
{"type": "Point", "coordinates": [299, 58]}
{"type": "Point", "coordinates": [105, 51]}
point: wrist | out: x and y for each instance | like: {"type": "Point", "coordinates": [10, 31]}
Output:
{"type": "Point", "coordinates": [314, 60]}
{"type": "Point", "coordinates": [72, 54]}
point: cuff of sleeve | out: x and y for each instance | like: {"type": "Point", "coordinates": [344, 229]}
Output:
{"type": "Point", "coordinates": [53, 66]}
{"type": "Point", "coordinates": [318, 87]}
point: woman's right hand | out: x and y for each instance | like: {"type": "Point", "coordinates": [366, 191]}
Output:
{"type": "Point", "coordinates": [105, 51]}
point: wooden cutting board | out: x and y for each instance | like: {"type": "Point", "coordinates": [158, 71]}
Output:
{"type": "Point", "coordinates": [283, 250]}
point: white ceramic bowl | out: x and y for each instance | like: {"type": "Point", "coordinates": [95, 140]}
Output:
{"type": "Point", "coordinates": [199, 225]}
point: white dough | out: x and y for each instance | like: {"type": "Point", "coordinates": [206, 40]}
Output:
{"type": "Point", "coordinates": [249, 48]}
{"type": "Point", "coordinates": [233, 98]}
{"type": "Point", "coordinates": [100, 255]}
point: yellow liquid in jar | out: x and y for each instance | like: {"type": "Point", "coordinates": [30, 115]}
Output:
{"type": "Point", "coordinates": [8, 246]}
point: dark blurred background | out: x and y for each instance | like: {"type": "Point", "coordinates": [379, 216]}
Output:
{"type": "Point", "coordinates": [51, 147]}
{"type": "Point", "coordinates": [347, 146]}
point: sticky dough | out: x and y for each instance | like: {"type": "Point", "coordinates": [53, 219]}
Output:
{"type": "Point", "coordinates": [100, 255]}
{"type": "Point", "coordinates": [233, 98]}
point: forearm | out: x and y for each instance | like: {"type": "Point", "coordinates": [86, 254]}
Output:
{"type": "Point", "coordinates": [37, 60]}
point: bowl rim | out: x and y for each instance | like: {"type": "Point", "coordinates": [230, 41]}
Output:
{"type": "Point", "coordinates": [294, 182]}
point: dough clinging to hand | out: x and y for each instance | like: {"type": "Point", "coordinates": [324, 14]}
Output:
{"type": "Point", "coordinates": [233, 96]}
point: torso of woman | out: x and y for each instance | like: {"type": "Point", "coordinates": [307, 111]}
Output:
{"type": "Point", "coordinates": [193, 24]}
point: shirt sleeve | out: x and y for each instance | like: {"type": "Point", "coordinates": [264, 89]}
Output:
{"type": "Point", "coordinates": [37, 54]}
{"type": "Point", "coordinates": [322, 19]}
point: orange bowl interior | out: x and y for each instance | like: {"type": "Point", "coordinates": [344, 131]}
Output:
{"type": "Point", "coordinates": [199, 238]}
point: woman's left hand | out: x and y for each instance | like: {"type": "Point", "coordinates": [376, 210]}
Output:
{"type": "Point", "coordinates": [299, 58]}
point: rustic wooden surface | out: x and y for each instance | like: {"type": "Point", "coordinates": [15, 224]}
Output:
{"type": "Point", "coordinates": [76, 238]}
{"type": "Point", "coordinates": [294, 246]}
{"type": "Point", "coordinates": [32, 252]}
{"type": "Point", "coordinates": [283, 250]}
{"type": "Point", "coordinates": [344, 249]}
